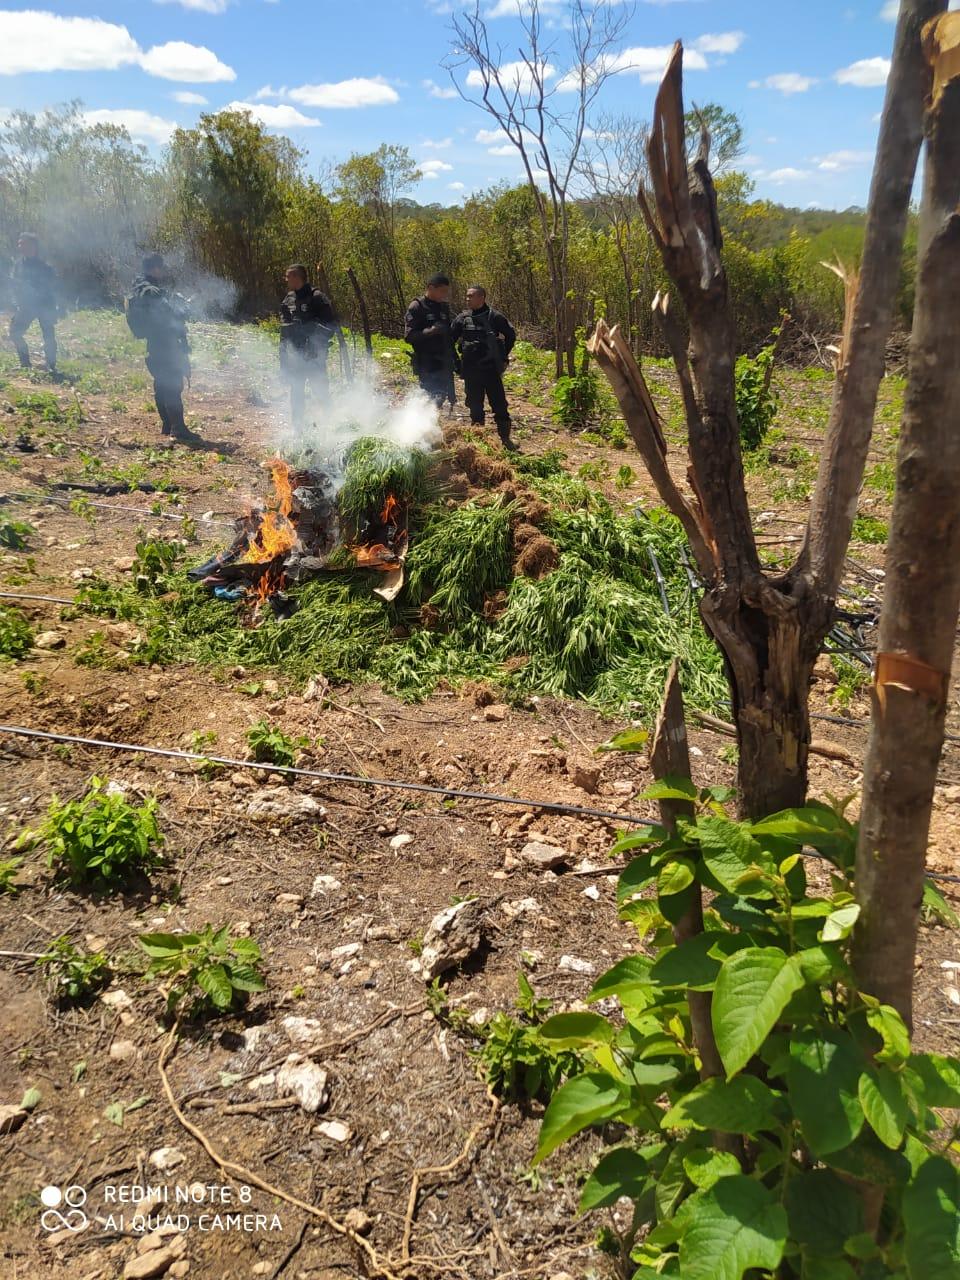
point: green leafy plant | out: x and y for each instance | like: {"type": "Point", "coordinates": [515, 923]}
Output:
{"type": "Point", "coordinates": [817, 1150]}
{"type": "Point", "coordinates": [577, 401]}
{"type": "Point", "coordinates": [757, 398]}
{"type": "Point", "coordinates": [14, 534]}
{"type": "Point", "coordinates": [852, 680]}
{"type": "Point", "coordinates": [16, 638]}
{"type": "Point", "coordinates": [95, 651]}
{"type": "Point", "coordinates": [153, 563]}
{"type": "Point", "coordinates": [869, 529]}
{"type": "Point", "coordinates": [74, 975]}
{"type": "Point", "coordinates": [270, 745]}
{"type": "Point", "coordinates": [210, 970]}
{"type": "Point", "coordinates": [514, 1058]}
{"type": "Point", "coordinates": [8, 869]}
{"type": "Point", "coordinates": [100, 839]}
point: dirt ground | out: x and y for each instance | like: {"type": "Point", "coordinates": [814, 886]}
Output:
{"type": "Point", "coordinates": [336, 900]}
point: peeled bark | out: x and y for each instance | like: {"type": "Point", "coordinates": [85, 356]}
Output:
{"type": "Point", "coordinates": [922, 593]}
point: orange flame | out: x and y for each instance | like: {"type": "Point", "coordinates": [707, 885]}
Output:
{"type": "Point", "coordinates": [377, 555]}
{"type": "Point", "coordinates": [276, 535]}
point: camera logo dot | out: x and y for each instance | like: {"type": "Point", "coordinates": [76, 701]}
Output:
{"type": "Point", "coordinates": [73, 1198]}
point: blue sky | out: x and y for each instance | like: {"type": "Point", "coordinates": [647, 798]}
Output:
{"type": "Point", "coordinates": [345, 75]}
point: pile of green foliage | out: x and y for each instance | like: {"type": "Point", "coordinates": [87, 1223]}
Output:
{"type": "Point", "coordinates": [594, 627]}
{"type": "Point", "coordinates": [374, 469]}
{"type": "Point", "coordinates": [818, 1150]}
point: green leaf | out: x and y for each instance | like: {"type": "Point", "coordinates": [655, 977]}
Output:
{"type": "Point", "coordinates": [730, 852]}
{"type": "Point", "coordinates": [823, 1081]}
{"type": "Point", "coordinates": [742, 1105]}
{"type": "Point", "coordinates": [164, 944]}
{"type": "Point", "coordinates": [822, 1210]}
{"type": "Point", "coordinates": [114, 1113]}
{"type": "Point", "coordinates": [31, 1099]}
{"type": "Point", "coordinates": [868, 1160]}
{"type": "Point", "coordinates": [839, 923]}
{"type": "Point", "coordinates": [735, 1226]}
{"type": "Point", "coordinates": [639, 838]}
{"type": "Point", "coordinates": [629, 974]}
{"type": "Point", "coordinates": [936, 904]}
{"type": "Point", "coordinates": [884, 1105]}
{"type": "Point", "coordinates": [635, 877]}
{"type": "Point", "coordinates": [643, 913]}
{"type": "Point", "coordinates": [689, 963]}
{"type": "Point", "coordinates": [581, 1102]}
{"type": "Point", "coordinates": [706, 1165]}
{"type": "Point", "coordinates": [893, 1031]}
{"type": "Point", "coordinates": [138, 1103]}
{"type": "Point", "coordinates": [619, 1173]}
{"type": "Point", "coordinates": [674, 877]}
{"type": "Point", "coordinates": [230, 1078]}
{"type": "Point", "coordinates": [577, 1030]}
{"type": "Point", "coordinates": [628, 740]}
{"type": "Point", "coordinates": [214, 981]}
{"type": "Point", "coordinates": [671, 789]}
{"type": "Point", "coordinates": [817, 826]}
{"type": "Point", "coordinates": [672, 1181]}
{"type": "Point", "coordinates": [939, 1076]}
{"type": "Point", "coordinates": [751, 992]}
{"type": "Point", "coordinates": [931, 1213]}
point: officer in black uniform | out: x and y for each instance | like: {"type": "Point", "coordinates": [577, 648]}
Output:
{"type": "Point", "coordinates": [34, 288]}
{"type": "Point", "coordinates": [427, 329]}
{"type": "Point", "coordinates": [484, 339]}
{"type": "Point", "coordinates": [307, 323]}
{"type": "Point", "coordinates": [159, 315]}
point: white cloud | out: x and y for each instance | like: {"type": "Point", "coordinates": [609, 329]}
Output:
{"type": "Point", "coordinates": [430, 168]}
{"type": "Point", "coordinates": [648, 61]}
{"type": "Point", "coordinates": [725, 42]}
{"type": "Point", "coordinates": [867, 73]}
{"type": "Point", "coordinates": [438, 90]}
{"type": "Point", "coordinates": [508, 149]}
{"type": "Point", "coordinates": [276, 117]}
{"type": "Point", "coordinates": [438, 144]}
{"type": "Point", "coordinates": [190, 99]}
{"type": "Point", "coordinates": [177, 60]}
{"type": "Point", "coordinates": [786, 82]}
{"type": "Point", "coordinates": [840, 161]}
{"type": "Point", "coordinates": [360, 91]}
{"type": "Point", "coordinates": [490, 136]}
{"type": "Point", "coordinates": [200, 6]}
{"type": "Point", "coordinates": [35, 41]}
{"type": "Point", "coordinates": [455, 186]}
{"type": "Point", "coordinates": [787, 174]}
{"type": "Point", "coordinates": [140, 125]}
{"type": "Point", "coordinates": [890, 11]}
{"type": "Point", "coordinates": [513, 75]}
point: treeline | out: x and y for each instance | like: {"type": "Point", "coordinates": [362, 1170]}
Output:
{"type": "Point", "coordinates": [232, 204]}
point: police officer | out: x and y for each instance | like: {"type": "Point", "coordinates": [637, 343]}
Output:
{"type": "Point", "coordinates": [307, 323]}
{"type": "Point", "coordinates": [34, 286]}
{"type": "Point", "coordinates": [484, 339]}
{"type": "Point", "coordinates": [427, 329]}
{"type": "Point", "coordinates": [159, 315]}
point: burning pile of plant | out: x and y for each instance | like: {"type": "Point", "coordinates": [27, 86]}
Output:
{"type": "Point", "coordinates": [600, 618]}
{"type": "Point", "coordinates": [350, 513]}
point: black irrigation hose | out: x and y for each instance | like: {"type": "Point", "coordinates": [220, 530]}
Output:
{"type": "Point", "coordinates": [352, 779]}
{"type": "Point", "coordinates": [356, 780]}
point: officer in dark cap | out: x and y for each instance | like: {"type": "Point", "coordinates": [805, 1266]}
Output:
{"type": "Point", "coordinates": [307, 323]}
{"type": "Point", "coordinates": [159, 315]}
{"type": "Point", "coordinates": [34, 288]}
{"type": "Point", "coordinates": [484, 339]}
{"type": "Point", "coordinates": [427, 329]}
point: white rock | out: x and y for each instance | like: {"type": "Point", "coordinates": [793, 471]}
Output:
{"type": "Point", "coordinates": [123, 1050]}
{"type": "Point", "coordinates": [544, 857]}
{"type": "Point", "coordinates": [50, 640]}
{"type": "Point", "coordinates": [305, 1033]}
{"type": "Point", "coordinates": [324, 884]}
{"type": "Point", "coordinates": [334, 1130]}
{"type": "Point", "coordinates": [495, 713]}
{"type": "Point", "coordinates": [452, 935]}
{"type": "Point", "coordinates": [259, 1083]}
{"type": "Point", "coordinates": [624, 787]}
{"type": "Point", "coordinates": [288, 902]}
{"type": "Point", "coordinates": [166, 1158]}
{"type": "Point", "coordinates": [347, 949]}
{"type": "Point", "coordinates": [281, 802]}
{"type": "Point", "coordinates": [154, 1263]}
{"type": "Point", "coordinates": [592, 892]}
{"type": "Point", "coordinates": [116, 1000]}
{"type": "Point", "coordinates": [402, 840]}
{"type": "Point", "coordinates": [573, 964]}
{"type": "Point", "coordinates": [307, 1082]}
{"type": "Point", "coordinates": [520, 907]}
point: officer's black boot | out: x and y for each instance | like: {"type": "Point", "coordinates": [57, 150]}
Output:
{"type": "Point", "coordinates": [503, 431]}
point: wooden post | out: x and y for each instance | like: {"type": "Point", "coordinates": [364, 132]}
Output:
{"type": "Point", "coordinates": [364, 317]}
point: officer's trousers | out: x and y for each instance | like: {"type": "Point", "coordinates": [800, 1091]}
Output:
{"type": "Point", "coordinates": [299, 367]}
{"type": "Point", "coordinates": [168, 381]}
{"type": "Point", "coordinates": [482, 384]}
{"type": "Point", "coordinates": [21, 321]}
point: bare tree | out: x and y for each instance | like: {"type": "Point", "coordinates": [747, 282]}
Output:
{"type": "Point", "coordinates": [769, 627]}
{"type": "Point", "coordinates": [922, 597]}
{"type": "Point", "coordinates": [544, 113]}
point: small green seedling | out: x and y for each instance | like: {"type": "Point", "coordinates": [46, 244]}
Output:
{"type": "Point", "coordinates": [270, 745]}
{"type": "Point", "coordinates": [212, 971]}
{"type": "Point", "coordinates": [75, 976]}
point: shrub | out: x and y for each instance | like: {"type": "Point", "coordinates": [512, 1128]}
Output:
{"type": "Point", "coordinates": [100, 839]}
{"type": "Point", "coordinates": [74, 975]}
{"type": "Point", "coordinates": [16, 638]}
{"type": "Point", "coordinates": [515, 1059]}
{"type": "Point", "coordinates": [757, 399]}
{"type": "Point", "coordinates": [153, 563]}
{"type": "Point", "coordinates": [577, 401]}
{"type": "Point", "coordinates": [214, 970]}
{"type": "Point", "coordinates": [822, 1111]}
{"type": "Point", "coordinates": [14, 534]}
{"type": "Point", "coordinates": [270, 745]}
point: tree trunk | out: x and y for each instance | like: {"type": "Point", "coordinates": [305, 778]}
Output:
{"type": "Point", "coordinates": [770, 628]}
{"type": "Point", "coordinates": [364, 317]}
{"type": "Point", "coordinates": [922, 593]}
